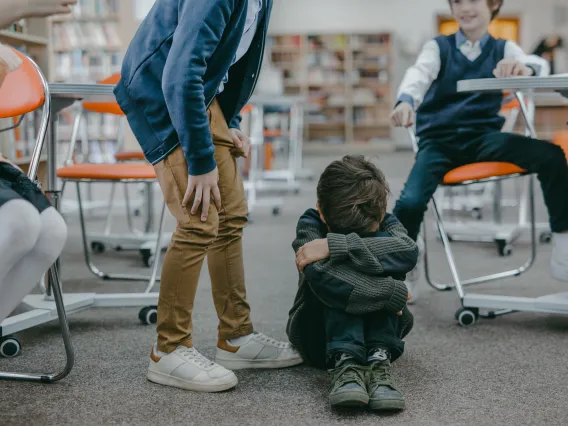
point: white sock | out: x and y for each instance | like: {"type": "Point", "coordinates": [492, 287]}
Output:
{"type": "Point", "coordinates": [240, 341]}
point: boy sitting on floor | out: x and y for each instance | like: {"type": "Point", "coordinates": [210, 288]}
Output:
{"type": "Point", "coordinates": [350, 310]}
{"type": "Point", "coordinates": [455, 129]}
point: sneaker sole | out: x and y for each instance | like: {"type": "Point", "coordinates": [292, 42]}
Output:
{"type": "Point", "coordinates": [349, 399]}
{"type": "Point", "coordinates": [387, 405]}
{"type": "Point", "coordinates": [244, 364]}
{"type": "Point", "coordinates": [167, 380]}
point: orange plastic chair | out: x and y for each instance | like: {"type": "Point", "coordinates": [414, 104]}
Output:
{"type": "Point", "coordinates": [108, 108]}
{"type": "Point", "coordinates": [561, 139]}
{"type": "Point", "coordinates": [123, 171]}
{"type": "Point", "coordinates": [23, 91]}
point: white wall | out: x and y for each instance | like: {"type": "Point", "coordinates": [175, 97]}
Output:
{"type": "Point", "coordinates": [416, 19]}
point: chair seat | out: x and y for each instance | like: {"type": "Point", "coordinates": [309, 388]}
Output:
{"type": "Point", "coordinates": [480, 171]}
{"type": "Point", "coordinates": [129, 156]}
{"type": "Point", "coordinates": [119, 171]}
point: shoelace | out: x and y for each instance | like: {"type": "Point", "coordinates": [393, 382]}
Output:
{"type": "Point", "coordinates": [269, 340]}
{"type": "Point", "coordinates": [381, 375]}
{"type": "Point", "coordinates": [191, 354]}
{"type": "Point", "coordinates": [348, 374]}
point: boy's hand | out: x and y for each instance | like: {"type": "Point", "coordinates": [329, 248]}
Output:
{"type": "Point", "coordinates": [204, 186]}
{"type": "Point", "coordinates": [407, 299]}
{"type": "Point", "coordinates": [312, 252]}
{"type": "Point", "coordinates": [511, 68]}
{"type": "Point", "coordinates": [403, 115]}
{"type": "Point", "coordinates": [242, 143]}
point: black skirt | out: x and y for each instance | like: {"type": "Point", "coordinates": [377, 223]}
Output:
{"type": "Point", "coordinates": [15, 185]}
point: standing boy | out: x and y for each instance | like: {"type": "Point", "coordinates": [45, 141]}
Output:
{"type": "Point", "coordinates": [455, 129]}
{"type": "Point", "coordinates": [190, 69]}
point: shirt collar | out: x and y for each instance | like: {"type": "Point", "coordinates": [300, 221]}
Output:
{"type": "Point", "coordinates": [461, 39]}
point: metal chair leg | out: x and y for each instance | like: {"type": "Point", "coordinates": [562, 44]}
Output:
{"type": "Point", "coordinates": [69, 352]}
{"type": "Point", "coordinates": [97, 272]}
{"type": "Point", "coordinates": [157, 251]}
{"type": "Point", "coordinates": [459, 284]}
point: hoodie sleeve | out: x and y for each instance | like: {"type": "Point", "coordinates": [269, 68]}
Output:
{"type": "Point", "coordinates": [200, 28]}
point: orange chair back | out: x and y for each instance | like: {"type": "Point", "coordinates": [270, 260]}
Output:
{"type": "Point", "coordinates": [22, 90]}
{"type": "Point", "coordinates": [105, 107]}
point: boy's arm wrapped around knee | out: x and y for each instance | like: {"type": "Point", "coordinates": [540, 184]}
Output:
{"type": "Point", "coordinates": [310, 227]}
{"type": "Point", "coordinates": [390, 253]}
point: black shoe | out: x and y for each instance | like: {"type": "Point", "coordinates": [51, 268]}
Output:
{"type": "Point", "coordinates": [348, 384]}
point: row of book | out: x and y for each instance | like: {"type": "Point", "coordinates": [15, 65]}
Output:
{"type": "Point", "coordinates": [89, 36]}
{"type": "Point", "coordinates": [86, 66]}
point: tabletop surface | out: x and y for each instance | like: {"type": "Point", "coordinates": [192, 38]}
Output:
{"type": "Point", "coordinates": [554, 83]}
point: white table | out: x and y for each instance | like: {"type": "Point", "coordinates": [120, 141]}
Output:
{"type": "Point", "coordinates": [553, 303]}
{"type": "Point", "coordinates": [41, 307]}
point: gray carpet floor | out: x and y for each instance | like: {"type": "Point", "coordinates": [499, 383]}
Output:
{"type": "Point", "coordinates": [507, 371]}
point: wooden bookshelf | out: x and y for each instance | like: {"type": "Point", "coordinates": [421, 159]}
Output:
{"type": "Point", "coordinates": [347, 79]}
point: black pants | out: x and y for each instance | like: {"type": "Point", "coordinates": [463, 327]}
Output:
{"type": "Point", "coordinates": [438, 156]}
{"type": "Point", "coordinates": [357, 335]}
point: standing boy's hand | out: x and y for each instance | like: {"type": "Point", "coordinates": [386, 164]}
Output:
{"type": "Point", "coordinates": [242, 143]}
{"type": "Point", "coordinates": [312, 252]}
{"type": "Point", "coordinates": [512, 68]}
{"type": "Point", "coordinates": [403, 115]}
{"type": "Point", "coordinates": [204, 186]}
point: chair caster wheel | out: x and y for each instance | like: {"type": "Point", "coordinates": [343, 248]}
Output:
{"type": "Point", "coordinates": [467, 317]}
{"type": "Point", "coordinates": [10, 347]}
{"type": "Point", "coordinates": [98, 247]}
{"type": "Point", "coordinates": [148, 315]}
{"type": "Point", "coordinates": [276, 211]}
{"type": "Point", "coordinates": [545, 237]}
{"type": "Point", "coordinates": [476, 213]}
{"type": "Point", "coordinates": [147, 257]}
{"type": "Point", "coordinates": [504, 248]}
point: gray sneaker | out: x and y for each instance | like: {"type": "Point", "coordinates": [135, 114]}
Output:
{"type": "Point", "coordinates": [348, 384]}
{"type": "Point", "coordinates": [383, 391]}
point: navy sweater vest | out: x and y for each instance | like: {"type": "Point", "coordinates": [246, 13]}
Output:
{"type": "Point", "coordinates": [445, 111]}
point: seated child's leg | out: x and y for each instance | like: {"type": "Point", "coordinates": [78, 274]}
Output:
{"type": "Point", "coordinates": [383, 347]}
{"type": "Point", "coordinates": [549, 162]}
{"type": "Point", "coordinates": [346, 354]}
{"type": "Point", "coordinates": [430, 166]}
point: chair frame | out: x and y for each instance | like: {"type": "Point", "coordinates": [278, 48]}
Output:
{"type": "Point", "coordinates": [467, 316]}
{"type": "Point", "coordinates": [53, 272]}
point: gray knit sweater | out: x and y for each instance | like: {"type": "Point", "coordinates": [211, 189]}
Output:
{"type": "Point", "coordinates": [364, 273]}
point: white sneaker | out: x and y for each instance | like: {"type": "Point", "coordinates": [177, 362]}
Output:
{"type": "Point", "coordinates": [559, 259]}
{"type": "Point", "coordinates": [413, 276]}
{"type": "Point", "coordinates": [187, 369]}
{"type": "Point", "coordinates": [256, 351]}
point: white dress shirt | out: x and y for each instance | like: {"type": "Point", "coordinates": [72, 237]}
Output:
{"type": "Point", "coordinates": [419, 77]}
{"type": "Point", "coordinates": [251, 24]}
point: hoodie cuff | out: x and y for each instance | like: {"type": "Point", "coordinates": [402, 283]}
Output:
{"type": "Point", "coordinates": [337, 247]}
{"type": "Point", "coordinates": [399, 297]}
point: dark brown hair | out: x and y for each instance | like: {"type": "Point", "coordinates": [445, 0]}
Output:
{"type": "Point", "coordinates": [352, 195]}
{"type": "Point", "coordinates": [491, 4]}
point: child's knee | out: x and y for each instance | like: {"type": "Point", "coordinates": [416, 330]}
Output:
{"type": "Point", "coordinates": [22, 225]}
{"type": "Point", "coordinates": [52, 236]}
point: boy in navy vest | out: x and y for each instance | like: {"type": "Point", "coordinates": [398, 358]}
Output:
{"type": "Point", "coordinates": [455, 129]}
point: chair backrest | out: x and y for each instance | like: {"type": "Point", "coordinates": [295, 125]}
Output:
{"type": "Point", "coordinates": [105, 107]}
{"type": "Point", "coordinates": [25, 90]}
